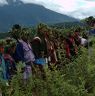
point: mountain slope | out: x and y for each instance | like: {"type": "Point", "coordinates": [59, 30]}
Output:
{"type": "Point", "coordinates": [28, 14]}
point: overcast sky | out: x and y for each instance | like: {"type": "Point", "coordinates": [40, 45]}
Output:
{"type": "Point", "coordinates": [75, 8]}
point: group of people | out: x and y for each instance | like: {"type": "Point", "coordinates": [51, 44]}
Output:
{"type": "Point", "coordinates": [7, 63]}
{"type": "Point", "coordinates": [35, 52]}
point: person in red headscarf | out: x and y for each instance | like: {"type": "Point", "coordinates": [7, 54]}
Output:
{"type": "Point", "coordinates": [72, 45]}
{"type": "Point", "coordinates": [67, 48]}
{"type": "Point", "coordinates": [76, 37]}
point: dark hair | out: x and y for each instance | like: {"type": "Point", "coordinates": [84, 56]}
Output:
{"type": "Point", "coordinates": [93, 22]}
{"type": "Point", "coordinates": [16, 33]}
{"type": "Point", "coordinates": [16, 26]}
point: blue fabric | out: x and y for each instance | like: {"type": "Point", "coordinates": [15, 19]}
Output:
{"type": "Point", "coordinates": [92, 32]}
{"type": "Point", "coordinates": [19, 53]}
{"type": "Point", "coordinates": [40, 61]}
{"type": "Point", "coordinates": [3, 67]}
{"type": "Point", "coordinates": [27, 72]}
{"type": "Point", "coordinates": [8, 65]}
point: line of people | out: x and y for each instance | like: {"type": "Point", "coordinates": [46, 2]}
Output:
{"type": "Point", "coordinates": [35, 52]}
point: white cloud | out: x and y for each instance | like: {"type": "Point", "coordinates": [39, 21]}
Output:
{"type": "Point", "coordinates": [3, 2]}
{"type": "Point", "coordinates": [79, 8]}
{"type": "Point", "coordinates": [85, 11]}
{"type": "Point", "coordinates": [82, 8]}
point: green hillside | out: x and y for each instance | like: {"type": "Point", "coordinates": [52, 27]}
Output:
{"type": "Point", "coordinates": [4, 35]}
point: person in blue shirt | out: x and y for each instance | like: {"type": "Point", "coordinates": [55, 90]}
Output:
{"type": "Point", "coordinates": [19, 52]}
{"type": "Point", "coordinates": [92, 31]}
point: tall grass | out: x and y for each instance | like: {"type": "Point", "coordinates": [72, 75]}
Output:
{"type": "Point", "coordinates": [74, 79]}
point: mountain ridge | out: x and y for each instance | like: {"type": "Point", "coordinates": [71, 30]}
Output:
{"type": "Point", "coordinates": [28, 15]}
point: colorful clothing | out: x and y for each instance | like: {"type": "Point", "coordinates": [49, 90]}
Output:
{"type": "Point", "coordinates": [92, 32]}
{"type": "Point", "coordinates": [73, 48]}
{"type": "Point", "coordinates": [10, 66]}
{"type": "Point", "coordinates": [40, 61]}
{"type": "Point", "coordinates": [28, 54]}
{"type": "Point", "coordinates": [27, 72]}
{"type": "Point", "coordinates": [3, 72]}
{"type": "Point", "coordinates": [29, 58]}
{"type": "Point", "coordinates": [19, 52]}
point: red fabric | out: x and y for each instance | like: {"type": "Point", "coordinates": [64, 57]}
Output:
{"type": "Point", "coordinates": [8, 57]}
{"type": "Point", "coordinates": [73, 42]}
{"type": "Point", "coordinates": [67, 51]}
{"type": "Point", "coordinates": [1, 49]}
{"type": "Point", "coordinates": [67, 48]}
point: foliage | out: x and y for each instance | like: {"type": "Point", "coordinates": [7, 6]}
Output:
{"type": "Point", "coordinates": [68, 78]}
{"type": "Point", "coordinates": [76, 79]}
